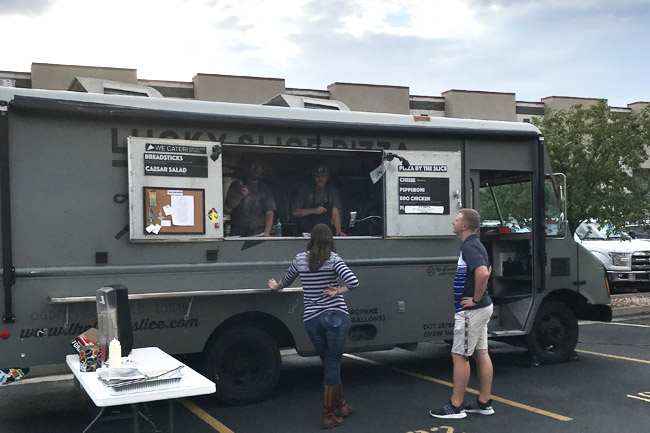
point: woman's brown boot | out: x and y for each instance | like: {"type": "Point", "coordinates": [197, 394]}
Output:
{"type": "Point", "coordinates": [330, 399]}
{"type": "Point", "coordinates": [344, 408]}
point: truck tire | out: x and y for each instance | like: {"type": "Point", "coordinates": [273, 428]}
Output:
{"type": "Point", "coordinates": [244, 363]}
{"type": "Point", "coordinates": [555, 333]}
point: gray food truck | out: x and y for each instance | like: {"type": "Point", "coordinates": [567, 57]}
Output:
{"type": "Point", "coordinates": [111, 189]}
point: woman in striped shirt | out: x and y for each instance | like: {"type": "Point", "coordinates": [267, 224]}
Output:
{"type": "Point", "coordinates": [326, 315]}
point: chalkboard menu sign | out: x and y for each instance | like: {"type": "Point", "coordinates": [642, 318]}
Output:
{"type": "Point", "coordinates": [423, 195]}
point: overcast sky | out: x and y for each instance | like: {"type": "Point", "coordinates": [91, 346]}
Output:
{"type": "Point", "coordinates": [536, 48]}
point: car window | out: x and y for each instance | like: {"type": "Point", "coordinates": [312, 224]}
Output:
{"type": "Point", "coordinates": [638, 232]}
{"type": "Point", "coordinates": [594, 231]}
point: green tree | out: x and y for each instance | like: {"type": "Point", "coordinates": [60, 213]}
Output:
{"type": "Point", "coordinates": [598, 150]}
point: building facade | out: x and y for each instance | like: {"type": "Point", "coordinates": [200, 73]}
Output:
{"type": "Point", "coordinates": [358, 97]}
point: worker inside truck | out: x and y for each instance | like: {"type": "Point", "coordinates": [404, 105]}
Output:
{"type": "Point", "coordinates": [251, 203]}
{"type": "Point", "coordinates": [318, 203]}
{"type": "Point", "coordinates": [287, 171]}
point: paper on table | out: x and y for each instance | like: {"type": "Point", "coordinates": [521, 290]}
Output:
{"type": "Point", "coordinates": [183, 210]}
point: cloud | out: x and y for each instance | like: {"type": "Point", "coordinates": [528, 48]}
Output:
{"type": "Point", "coordinates": [232, 22]}
{"type": "Point", "coordinates": [428, 20]}
{"type": "Point", "coordinates": [371, 57]}
{"type": "Point", "coordinates": [536, 48]}
{"type": "Point", "coordinates": [24, 7]}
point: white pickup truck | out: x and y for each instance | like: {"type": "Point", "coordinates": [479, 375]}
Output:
{"type": "Point", "coordinates": [626, 260]}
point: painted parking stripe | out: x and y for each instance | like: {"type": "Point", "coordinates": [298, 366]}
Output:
{"type": "Point", "coordinates": [606, 355]}
{"type": "Point", "coordinates": [451, 385]}
{"type": "Point", "coordinates": [639, 398]}
{"type": "Point", "coordinates": [637, 325]}
{"type": "Point", "coordinates": [206, 417]}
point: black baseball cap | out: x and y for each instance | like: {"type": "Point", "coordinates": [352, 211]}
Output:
{"type": "Point", "coordinates": [321, 169]}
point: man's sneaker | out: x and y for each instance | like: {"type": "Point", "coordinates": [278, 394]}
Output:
{"type": "Point", "coordinates": [478, 407]}
{"type": "Point", "coordinates": [448, 411]}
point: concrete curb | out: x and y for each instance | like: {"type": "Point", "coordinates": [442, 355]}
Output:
{"type": "Point", "coordinates": [630, 311]}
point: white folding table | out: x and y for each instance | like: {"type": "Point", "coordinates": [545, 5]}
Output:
{"type": "Point", "coordinates": [145, 359]}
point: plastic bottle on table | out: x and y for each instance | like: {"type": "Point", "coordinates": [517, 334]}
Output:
{"type": "Point", "coordinates": [278, 229]}
{"type": "Point", "coordinates": [115, 354]}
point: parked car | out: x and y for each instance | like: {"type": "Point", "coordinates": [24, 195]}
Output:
{"type": "Point", "coordinates": [626, 260]}
{"type": "Point", "coordinates": [640, 232]}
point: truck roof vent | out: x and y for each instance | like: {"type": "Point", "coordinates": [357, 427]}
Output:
{"type": "Point", "coordinates": [6, 82]}
{"type": "Point", "coordinates": [293, 101]}
{"type": "Point", "coordinates": [107, 87]}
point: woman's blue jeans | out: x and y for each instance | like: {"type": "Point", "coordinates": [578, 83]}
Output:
{"type": "Point", "coordinates": [328, 332]}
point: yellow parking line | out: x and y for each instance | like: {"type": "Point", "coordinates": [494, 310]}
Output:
{"type": "Point", "coordinates": [637, 325]}
{"type": "Point", "coordinates": [640, 398]}
{"type": "Point", "coordinates": [206, 417]}
{"type": "Point", "coordinates": [625, 358]}
{"type": "Point", "coordinates": [451, 385]}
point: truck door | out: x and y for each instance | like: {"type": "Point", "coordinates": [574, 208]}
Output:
{"type": "Point", "coordinates": [561, 272]}
{"type": "Point", "coordinates": [506, 208]}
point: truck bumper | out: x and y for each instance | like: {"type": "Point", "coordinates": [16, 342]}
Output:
{"type": "Point", "coordinates": [628, 276]}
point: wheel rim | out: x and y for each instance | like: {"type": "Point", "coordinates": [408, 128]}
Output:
{"type": "Point", "coordinates": [551, 333]}
{"type": "Point", "coordinates": [242, 365]}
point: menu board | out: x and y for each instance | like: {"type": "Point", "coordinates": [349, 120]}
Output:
{"type": "Point", "coordinates": [175, 190]}
{"type": "Point", "coordinates": [423, 195]}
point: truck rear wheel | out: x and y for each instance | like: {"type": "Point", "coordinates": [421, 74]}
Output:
{"type": "Point", "coordinates": [245, 364]}
{"type": "Point", "coordinates": [555, 333]}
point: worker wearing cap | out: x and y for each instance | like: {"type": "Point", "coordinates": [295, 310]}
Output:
{"type": "Point", "coordinates": [319, 203]}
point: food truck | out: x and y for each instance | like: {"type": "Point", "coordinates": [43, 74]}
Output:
{"type": "Point", "coordinates": [112, 189]}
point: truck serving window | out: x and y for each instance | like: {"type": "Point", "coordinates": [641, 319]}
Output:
{"type": "Point", "coordinates": [282, 179]}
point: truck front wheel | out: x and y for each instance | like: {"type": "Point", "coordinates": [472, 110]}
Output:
{"type": "Point", "coordinates": [555, 333]}
{"type": "Point", "coordinates": [245, 364]}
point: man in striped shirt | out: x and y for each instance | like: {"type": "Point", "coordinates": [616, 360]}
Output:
{"type": "Point", "coordinates": [473, 312]}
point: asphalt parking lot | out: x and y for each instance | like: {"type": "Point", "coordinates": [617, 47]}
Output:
{"type": "Point", "coordinates": [606, 390]}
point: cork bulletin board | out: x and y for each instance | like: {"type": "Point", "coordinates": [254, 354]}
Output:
{"type": "Point", "coordinates": [173, 211]}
